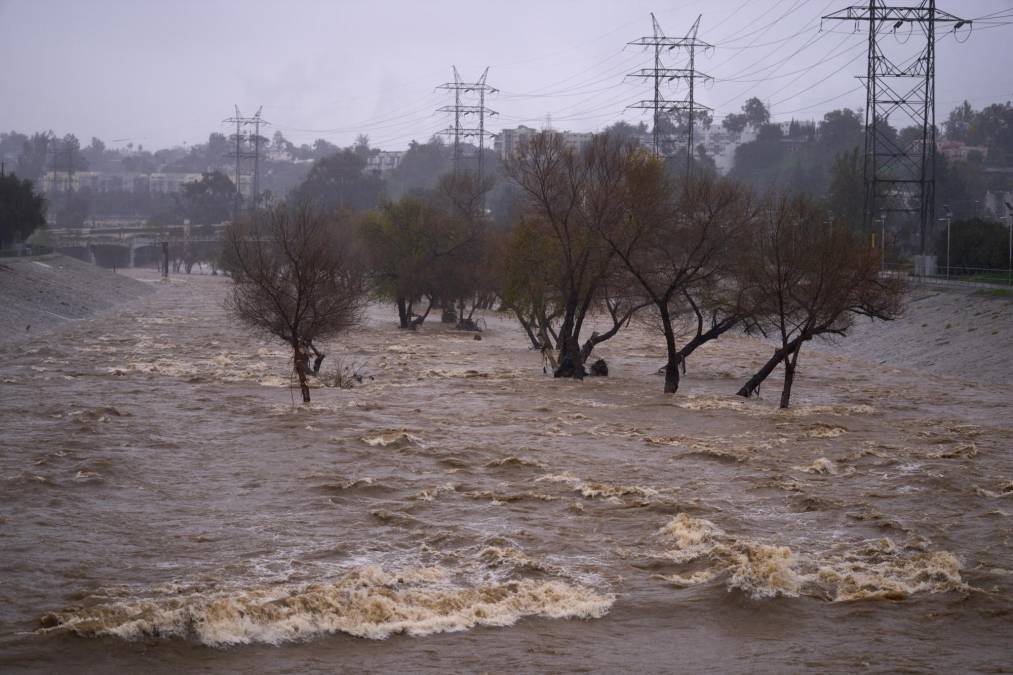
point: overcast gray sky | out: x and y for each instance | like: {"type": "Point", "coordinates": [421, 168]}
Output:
{"type": "Point", "coordinates": [164, 73]}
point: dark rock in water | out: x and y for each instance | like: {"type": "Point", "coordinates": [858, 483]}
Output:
{"type": "Point", "coordinates": [477, 336]}
{"type": "Point", "coordinates": [49, 620]}
{"type": "Point", "coordinates": [599, 368]}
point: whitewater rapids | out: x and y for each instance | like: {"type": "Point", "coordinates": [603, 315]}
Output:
{"type": "Point", "coordinates": [165, 507]}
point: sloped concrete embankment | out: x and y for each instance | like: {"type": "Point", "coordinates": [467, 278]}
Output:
{"type": "Point", "coordinates": [40, 293]}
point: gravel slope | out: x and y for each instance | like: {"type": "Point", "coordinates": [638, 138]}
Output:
{"type": "Point", "coordinates": [39, 293]}
{"type": "Point", "coordinates": [953, 332]}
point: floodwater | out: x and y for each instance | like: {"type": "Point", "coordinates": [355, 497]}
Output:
{"type": "Point", "coordinates": [164, 507]}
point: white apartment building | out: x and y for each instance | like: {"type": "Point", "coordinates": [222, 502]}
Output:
{"type": "Point", "coordinates": [383, 162]}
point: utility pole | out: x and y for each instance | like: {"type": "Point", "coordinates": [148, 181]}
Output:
{"type": "Point", "coordinates": [659, 74]}
{"type": "Point", "coordinates": [906, 86]}
{"type": "Point", "coordinates": [242, 151]}
{"type": "Point", "coordinates": [257, 121]}
{"type": "Point", "coordinates": [460, 112]}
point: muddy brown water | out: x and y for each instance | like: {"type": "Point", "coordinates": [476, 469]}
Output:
{"type": "Point", "coordinates": [164, 507]}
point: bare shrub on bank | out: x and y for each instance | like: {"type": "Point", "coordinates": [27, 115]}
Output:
{"type": "Point", "coordinates": [296, 277]}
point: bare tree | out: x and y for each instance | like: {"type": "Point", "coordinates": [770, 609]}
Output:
{"type": "Point", "coordinates": [295, 277]}
{"type": "Point", "coordinates": [812, 276]}
{"type": "Point", "coordinates": [571, 195]}
{"type": "Point", "coordinates": [678, 246]}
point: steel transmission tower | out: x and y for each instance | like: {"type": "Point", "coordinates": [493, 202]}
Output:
{"type": "Point", "coordinates": [900, 179]}
{"type": "Point", "coordinates": [257, 122]}
{"type": "Point", "coordinates": [661, 106]}
{"type": "Point", "coordinates": [243, 142]}
{"type": "Point", "coordinates": [460, 110]}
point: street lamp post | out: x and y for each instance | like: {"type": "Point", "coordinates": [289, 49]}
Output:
{"type": "Point", "coordinates": [1009, 269]}
{"type": "Point", "coordinates": [882, 238]}
{"type": "Point", "coordinates": [949, 219]}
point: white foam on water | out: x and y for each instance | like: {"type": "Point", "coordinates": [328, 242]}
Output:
{"type": "Point", "coordinates": [368, 602]}
{"type": "Point", "coordinates": [871, 572]}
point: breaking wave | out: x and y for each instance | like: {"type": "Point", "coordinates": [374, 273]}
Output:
{"type": "Point", "coordinates": [392, 438]}
{"type": "Point", "coordinates": [876, 571]}
{"type": "Point", "coordinates": [368, 602]}
{"type": "Point", "coordinates": [593, 490]}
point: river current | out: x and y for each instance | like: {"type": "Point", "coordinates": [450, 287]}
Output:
{"type": "Point", "coordinates": [164, 506]}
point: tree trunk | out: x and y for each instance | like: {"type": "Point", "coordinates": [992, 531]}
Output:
{"type": "Point", "coordinates": [300, 371]}
{"type": "Point", "coordinates": [318, 358]}
{"type": "Point", "coordinates": [789, 374]}
{"type": "Point", "coordinates": [672, 374]}
{"type": "Point", "coordinates": [419, 320]}
{"type": "Point", "coordinates": [672, 365]}
{"type": "Point", "coordinates": [750, 387]}
{"type": "Point", "coordinates": [402, 313]}
{"type": "Point", "coordinates": [571, 364]}
{"type": "Point", "coordinates": [527, 328]}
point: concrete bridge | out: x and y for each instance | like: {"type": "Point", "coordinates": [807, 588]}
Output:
{"type": "Point", "coordinates": [136, 247]}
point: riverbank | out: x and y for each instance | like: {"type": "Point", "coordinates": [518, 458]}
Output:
{"type": "Point", "coordinates": [39, 293]}
{"type": "Point", "coordinates": [965, 333]}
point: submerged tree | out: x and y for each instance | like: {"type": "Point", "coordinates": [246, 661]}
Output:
{"type": "Point", "coordinates": [678, 245]}
{"type": "Point", "coordinates": [811, 276]}
{"type": "Point", "coordinates": [571, 196]}
{"type": "Point", "coordinates": [429, 247]}
{"type": "Point", "coordinates": [525, 274]}
{"type": "Point", "coordinates": [296, 277]}
{"type": "Point", "coordinates": [396, 240]}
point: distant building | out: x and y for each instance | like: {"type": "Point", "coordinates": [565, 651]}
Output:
{"type": "Point", "coordinates": [99, 181]}
{"type": "Point", "coordinates": [383, 162]}
{"type": "Point", "coordinates": [509, 140]}
{"type": "Point", "coordinates": [720, 144]}
{"type": "Point", "coordinates": [576, 140]}
{"type": "Point", "coordinates": [995, 205]}
{"type": "Point", "coordinates": [955, 150]}
{"type": "Point", "coordinates": [278, 153]}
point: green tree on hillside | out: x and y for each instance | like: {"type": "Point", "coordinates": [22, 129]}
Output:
{"type": "Point", "coordinates": [32, 160]}
{"type": "Point", "coordinates": [420, 168]}
{"type": "Point", "coordinates": [22, 210]}
{"type": "Point", "coordinates": [338, 181]}
{"type": "Point", "coordinates": [209, 200]}
{"type": "Point", "coordinates": [846, 196]}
